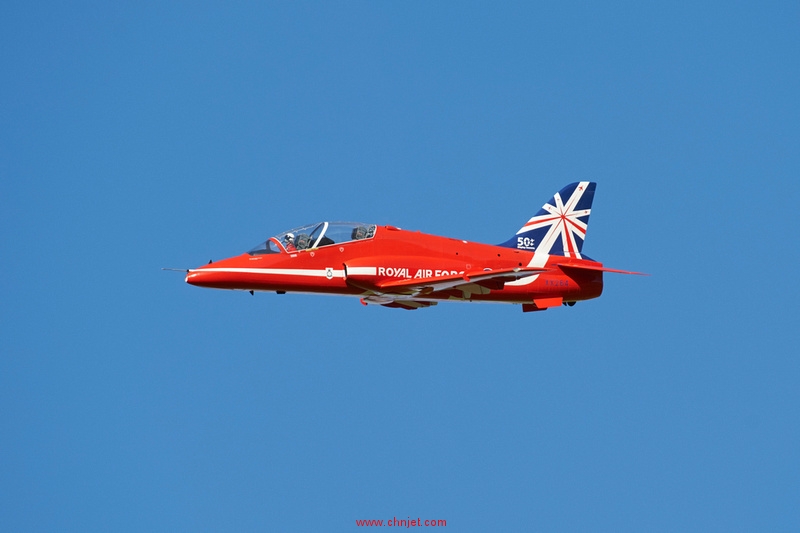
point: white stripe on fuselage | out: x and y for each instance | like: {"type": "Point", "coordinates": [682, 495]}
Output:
{"type": "Point", "coordinates": [320, 273]}
{"type": "Point", "coordinates": [362, 271]}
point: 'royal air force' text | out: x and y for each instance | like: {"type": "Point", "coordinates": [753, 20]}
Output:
{"type": "Point", "coordinates": [392, 272]}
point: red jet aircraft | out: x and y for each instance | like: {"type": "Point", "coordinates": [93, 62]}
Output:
{"type": "Point", "coordinates": [541, 266]}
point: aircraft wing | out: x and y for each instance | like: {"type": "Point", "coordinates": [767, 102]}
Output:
{"type": "Point", "coordinates": [485, 280]}
{"type": "Point", "coordinates": [411, 293]}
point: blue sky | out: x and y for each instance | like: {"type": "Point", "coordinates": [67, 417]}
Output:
{"type": "Point", "coordinates": [137, 136]}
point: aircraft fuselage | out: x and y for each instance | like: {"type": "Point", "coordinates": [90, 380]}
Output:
{"type": "Point", "coordinates": [397, 264]}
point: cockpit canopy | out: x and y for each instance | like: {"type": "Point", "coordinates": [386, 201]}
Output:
{"type": "Point", "coordinates": [315, 236]}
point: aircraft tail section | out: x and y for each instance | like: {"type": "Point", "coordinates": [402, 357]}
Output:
{"type": "Point", "coordinates": [559, 227]}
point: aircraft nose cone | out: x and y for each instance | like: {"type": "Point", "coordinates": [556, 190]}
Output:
{"type": "Point", "coordinates": [199, 278]}
{"type": "Point", "coordinates": [223, 274]}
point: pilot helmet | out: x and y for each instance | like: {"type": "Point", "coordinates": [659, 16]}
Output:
{"type": "Point", "coordinates": [289, 237]}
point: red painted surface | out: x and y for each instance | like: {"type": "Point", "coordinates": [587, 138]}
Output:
{"type": "Point", "coordinates": [407, 269]}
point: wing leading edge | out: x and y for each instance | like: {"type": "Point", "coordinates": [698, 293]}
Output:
{"type": "Point", "coordinates": [407, 293]}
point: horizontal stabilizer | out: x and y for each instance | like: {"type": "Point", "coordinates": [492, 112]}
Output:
{"type": "Point", "coordinates": [597, 268]}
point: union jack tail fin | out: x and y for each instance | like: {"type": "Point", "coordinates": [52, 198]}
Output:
{"type": "Point", "coordinates": [559, 228]}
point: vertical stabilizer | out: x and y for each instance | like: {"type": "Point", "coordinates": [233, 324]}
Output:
{"type": "Point", "coordinates": [559, 227]}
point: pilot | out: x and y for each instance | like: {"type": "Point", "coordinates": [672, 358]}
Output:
{"type": "Point", "coordinates": [288, 242]}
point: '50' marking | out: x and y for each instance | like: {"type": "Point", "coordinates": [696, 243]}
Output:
{"type": "Point", "coordinates": [525, 242]}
